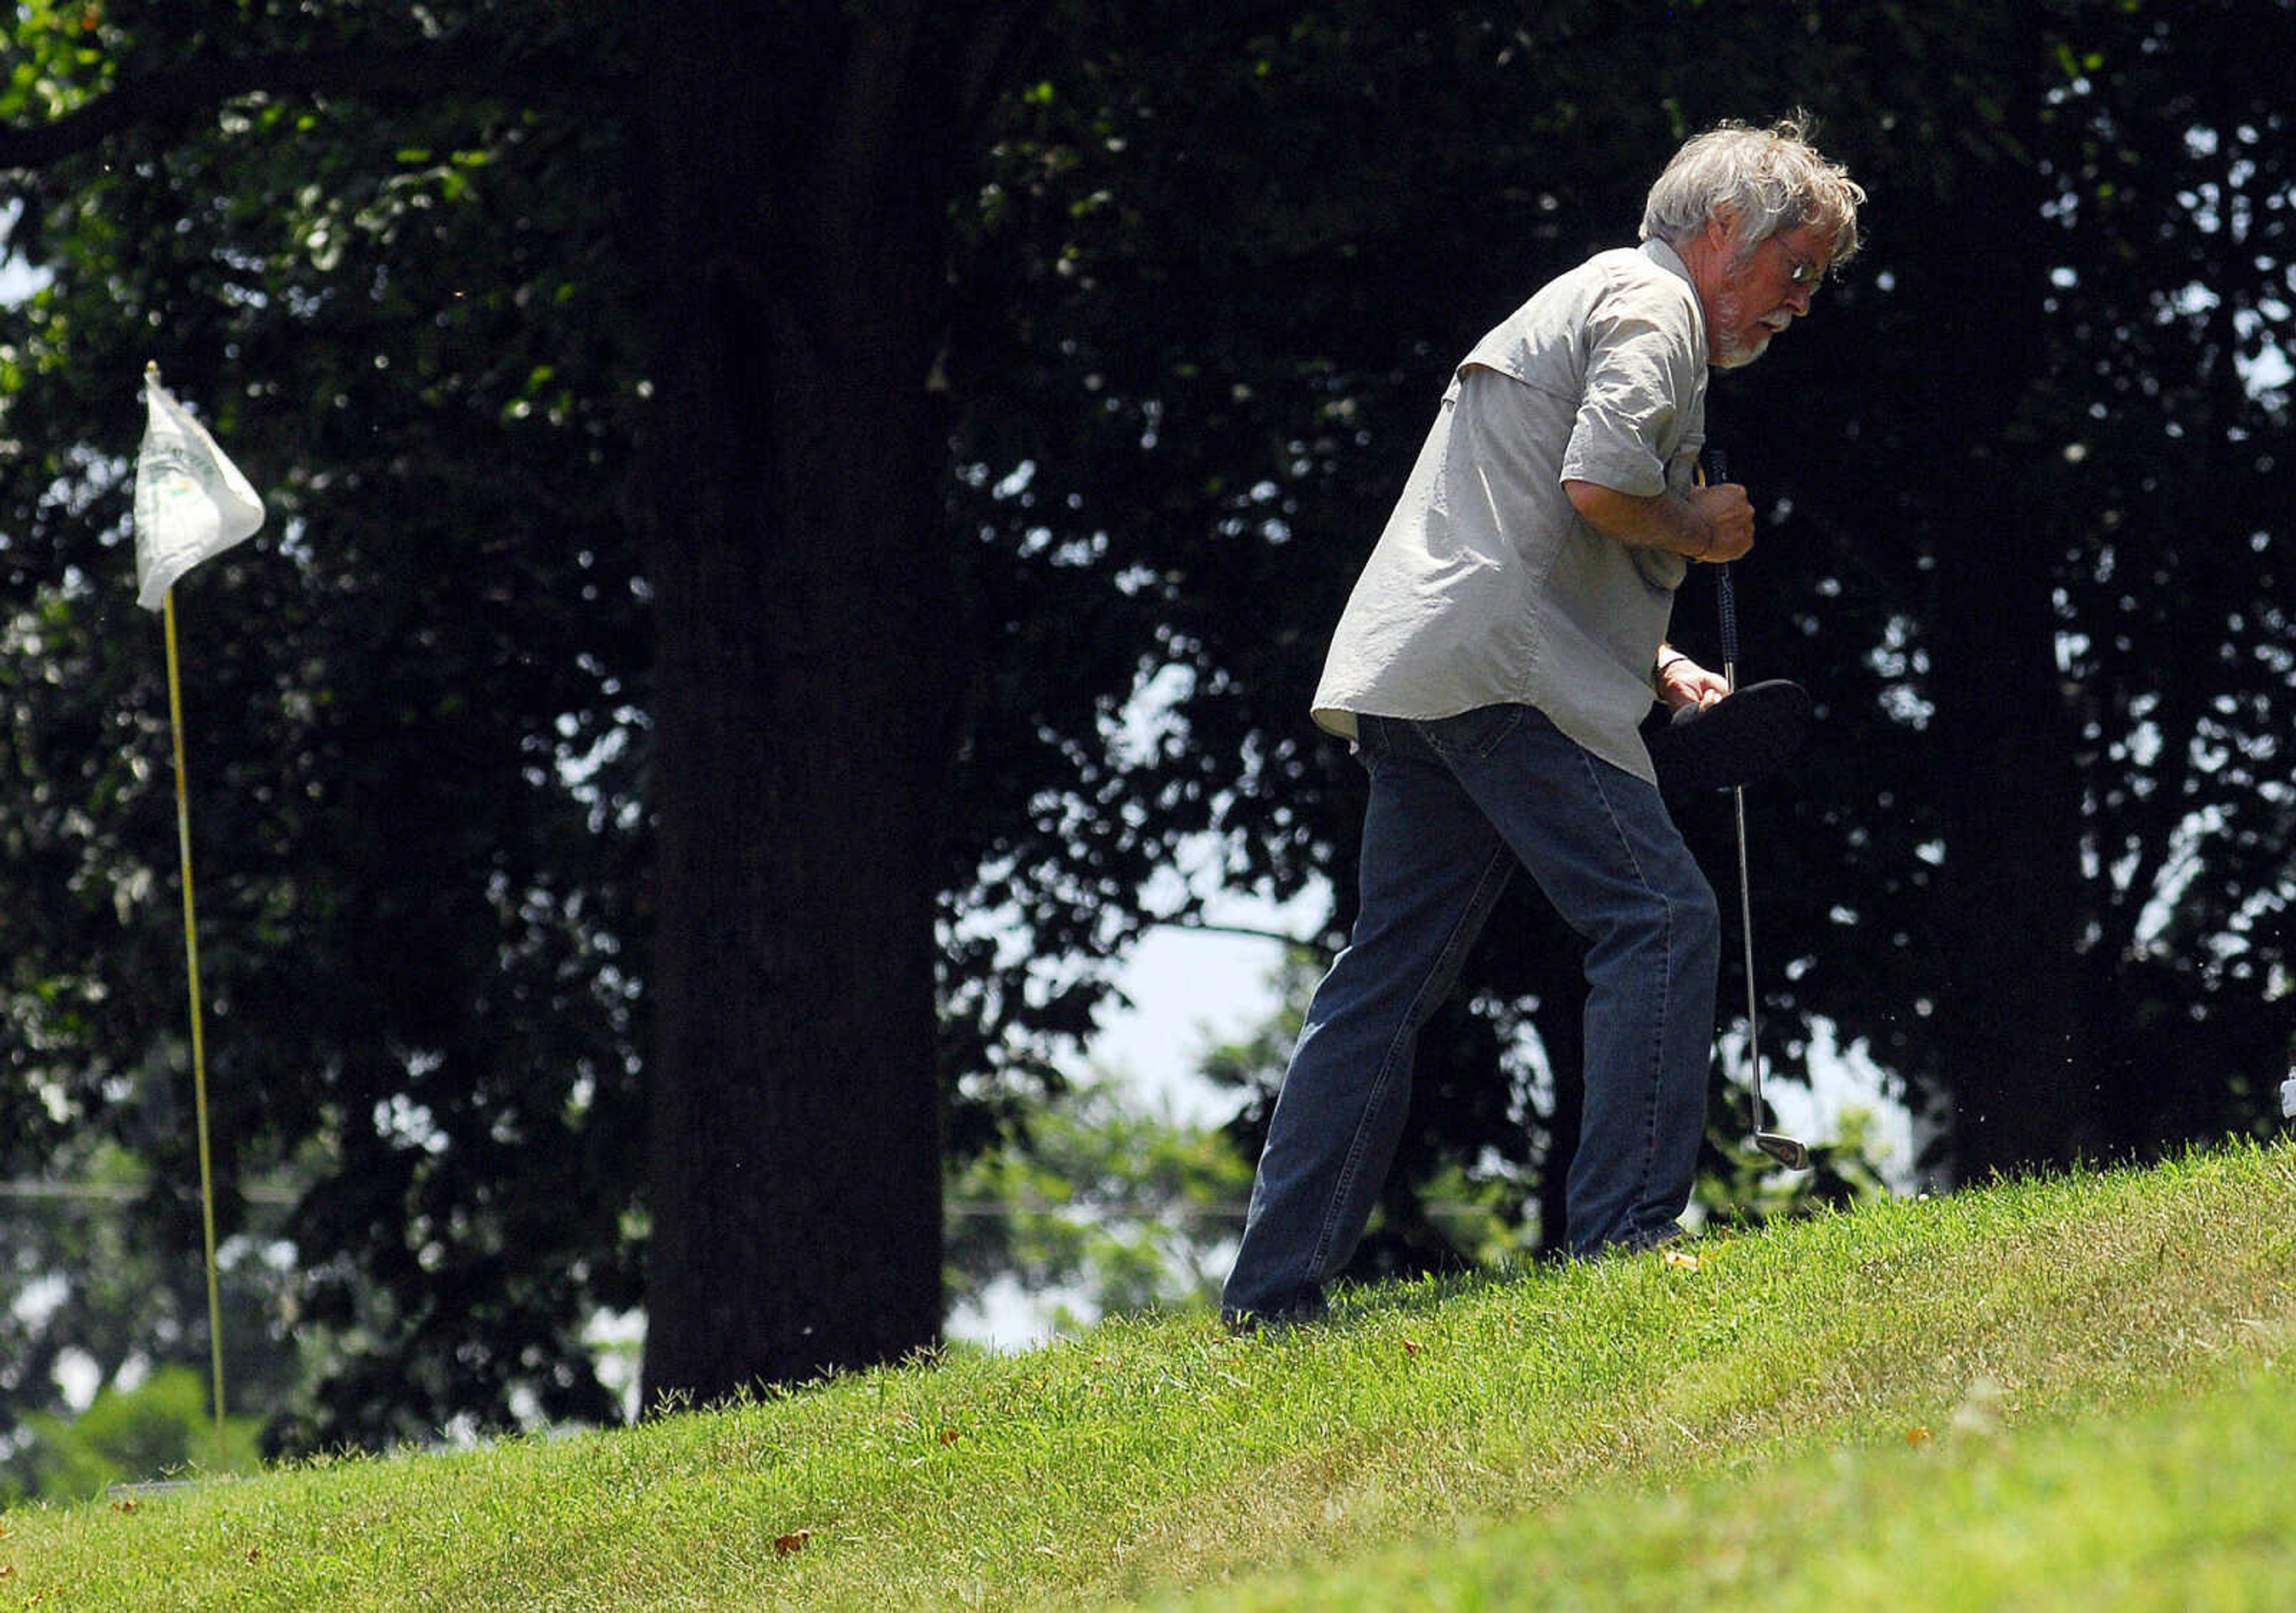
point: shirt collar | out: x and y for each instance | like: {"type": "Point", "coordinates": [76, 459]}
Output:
{"type": "Point", "coordinates": [1660, 253]}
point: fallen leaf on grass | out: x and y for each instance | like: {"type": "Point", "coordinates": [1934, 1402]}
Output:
{"type": "Point", "coordinates": [1918, 1436]}
{"type": "Point", "coordinates": [792, 1542]}
{"type": "Point", "coordinates": [1683, 1259]}
{"type": "Point", "coordinates": [1412, 1346]}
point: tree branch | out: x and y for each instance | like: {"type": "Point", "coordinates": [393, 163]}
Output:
{"type": "Point", "coordinates": [406, 76]}
{"type": "Point", "coordinates": [1249, 932]}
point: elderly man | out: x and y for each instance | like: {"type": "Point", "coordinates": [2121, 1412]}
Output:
{"type": "Point", "coordinates": [1502, 646]}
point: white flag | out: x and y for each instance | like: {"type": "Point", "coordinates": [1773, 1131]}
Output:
{"type": "Point", "coordinates": [191, 501]}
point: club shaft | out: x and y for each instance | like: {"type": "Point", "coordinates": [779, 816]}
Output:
{"type": "Point", "coordinates": [1746, 932]}
{"type": "Point", "coordinates": [1714, 472]}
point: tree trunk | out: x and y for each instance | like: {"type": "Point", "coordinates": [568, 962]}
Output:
{"type": "Point", "coordinates": [2013, 909]}
{"type": "Point", "coordinates": [802, 583]}
{"type": "Point", "coordinates": [2012, 1027]}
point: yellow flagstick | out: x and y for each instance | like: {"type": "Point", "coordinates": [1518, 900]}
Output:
{"type": "Point", "coordinates": [199, 1039]}
{"type": "Point", "coordinates": [190, 502]}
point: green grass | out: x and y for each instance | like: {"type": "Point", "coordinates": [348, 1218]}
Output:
{"type": "Point", "coordinates": [2076, 1392]}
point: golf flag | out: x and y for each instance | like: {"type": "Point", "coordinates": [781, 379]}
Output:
{"type": "Point", "coordinates": [191, 501]}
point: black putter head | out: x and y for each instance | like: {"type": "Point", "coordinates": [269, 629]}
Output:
{"type": "Point", "coordinates": [1793, 1155]}
{"type": "Point", "coordinates": [1741, 738]}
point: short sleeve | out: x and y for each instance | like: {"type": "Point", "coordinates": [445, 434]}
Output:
{"type": "Point", "coordinates": [1642, 379]}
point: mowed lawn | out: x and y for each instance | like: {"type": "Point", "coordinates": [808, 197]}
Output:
{"type": "Point", "coordinates": [2071, 1392]}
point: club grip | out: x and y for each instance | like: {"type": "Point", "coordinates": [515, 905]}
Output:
{"type": "Point", "coordinates": [1725, 597]}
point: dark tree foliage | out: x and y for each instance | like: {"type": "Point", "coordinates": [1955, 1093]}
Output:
{"type": "Point", "coordinates": [735, 473]}
{"type": "Point", "coordinates": [413, 716]}
{"type": "Point", "coordinates": [2045, 841]}
{"type": "Point", "coordinates": [2172, 194]}
{"type": "Point", "coordinates": [696, 818]}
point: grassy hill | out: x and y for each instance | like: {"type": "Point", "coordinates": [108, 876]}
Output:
{"type": "Point", "coordinates": [2074, 1393]}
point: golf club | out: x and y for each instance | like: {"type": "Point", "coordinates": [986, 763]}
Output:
{"type": "Point", "coordinates": [1786, 1150]}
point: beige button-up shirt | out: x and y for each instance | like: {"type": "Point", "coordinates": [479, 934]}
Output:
{"type": "Point", "coordinates": [1487, 587]}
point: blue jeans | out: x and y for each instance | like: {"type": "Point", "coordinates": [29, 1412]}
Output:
{"type": "Point", "coordinates": [1456, 804]}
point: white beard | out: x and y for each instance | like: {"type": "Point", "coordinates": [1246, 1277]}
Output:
{"type": "Point", "coordinates": [1734, 351]}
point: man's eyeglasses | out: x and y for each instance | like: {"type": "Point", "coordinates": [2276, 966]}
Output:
{"type": "Point", "coordinates": [1804, 273]}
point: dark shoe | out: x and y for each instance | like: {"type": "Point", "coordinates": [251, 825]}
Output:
{"type": "Point", "coordinates": [1300, 1313]}
{"type": "Point", "coordinates": [1738, 739]}
{"type": "Point", "coordinates": [1672, 1235]}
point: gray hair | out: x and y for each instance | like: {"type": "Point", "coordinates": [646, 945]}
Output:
{"type": "Point", "coordinates": [1769, 180]}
